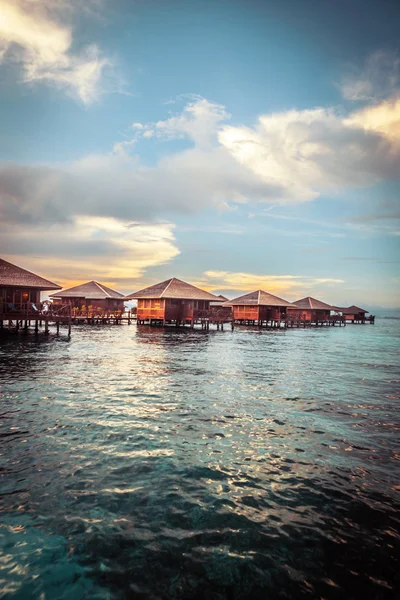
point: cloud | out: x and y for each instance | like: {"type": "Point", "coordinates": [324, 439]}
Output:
{"type": "Point", "coordinates": [288, 157]}
{"type": "Point", "coordinates": [314, 151]}
{"type": "Point", "coordinates": [275, 284]}
{"type": "Point", "coordinates": [33, 34]}
{"type": "Point", "coordinates": [378, 222]}
{"type": "Point", "coordinates": [122, 187]}
{"type": "Point", "coordinates": [198, 122]}
{"type": "Point", "coordinates": [100, 248]}
{"type": "Point", "coordinates": [379, 78]}
{"type": "Point", "coordinates": [384, 119]}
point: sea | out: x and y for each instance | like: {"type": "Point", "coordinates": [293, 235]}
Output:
{"type": "Point", "coordinates": [163, 463]}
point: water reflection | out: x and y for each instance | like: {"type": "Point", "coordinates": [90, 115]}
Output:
{"type": "Point", "coordinates": [152, 463]}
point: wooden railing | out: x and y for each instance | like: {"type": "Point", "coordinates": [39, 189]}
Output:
{"type": "Point", "coordinates": [94, 312]}
{"type": "Point", "coordinates": [31, 310]}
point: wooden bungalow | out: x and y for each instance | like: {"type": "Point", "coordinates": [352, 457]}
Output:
{"type": "Point", "coordinates": [92, 294]}
{"type": "Point", "coordinates": [310, 309]}
{"type": "Point", "coordinates": [355, 314]}
{"type": "Point", "coordinates": [172, 301]}
{"type": "Point", "coordinates": [20, 304]}
{"type": "Point", "coordinates": [259, 307]}
{"type": "Point", "coordinates": [19, 288]}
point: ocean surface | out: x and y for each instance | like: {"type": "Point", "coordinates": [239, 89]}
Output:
{"type": "Point", "coordinates": [159, 463]}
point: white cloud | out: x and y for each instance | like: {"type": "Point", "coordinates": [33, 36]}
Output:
{"type": "Point", "coordinates": [198, 122]}
{"type": "Point", "coordinates": [33, 35]}
{"type": "Point", "coordinates": [293, 156]}
{"type": "Point", "coordinates": [314, 151]}
{"type": "Point", "coordinates": [383, 118]}
{"type": "Point", "coordinates": [378, 79]}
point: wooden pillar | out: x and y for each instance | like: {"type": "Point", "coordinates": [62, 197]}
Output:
{"type": "Point", "coordinates": [36, 326]}
{"type": "Point", "coordinates": [58, 327]}
{"type": "Point", "coordinates": [46, 327]}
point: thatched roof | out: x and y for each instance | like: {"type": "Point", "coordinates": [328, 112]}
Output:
{"type": "Point", "coordinates": [173, 289]}
{"type": "Point", "coordinates": [258, 298]}
{"type": "Point", "coordinates": [352, 310]}
{"type": "Point", "coordinates": [11, 275]}
{"type": "Point", "coordinates": [310, 303]}
{"type": "Point", "coordinates": [92, 290]}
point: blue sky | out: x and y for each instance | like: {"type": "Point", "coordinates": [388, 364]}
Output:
{"type": "Point", "coordinates": [237, 145]}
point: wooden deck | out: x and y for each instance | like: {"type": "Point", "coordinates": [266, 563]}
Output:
{"type": "Point", "coordinates": [204, 318]}
{"type": "Point", "coordinates": [102, 317]}
{"type": "Point", "coordinates": [364, 321]}
{"type": "Point", "coordinates": [16, 317]}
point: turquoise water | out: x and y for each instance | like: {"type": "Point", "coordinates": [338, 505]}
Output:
{"type": "Point", "coordinates": [151, 463]}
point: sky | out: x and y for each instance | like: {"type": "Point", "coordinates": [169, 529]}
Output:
{"type": "Point", "coordinates": [238, 145]}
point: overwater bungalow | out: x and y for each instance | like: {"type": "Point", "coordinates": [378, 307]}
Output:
{"type": "Point", "coordinates": [310, 309]}
{"type": "Point", "coordinates": [259, 308]}
{"type": "Point", "coordinates": [93, 294]}
{"type": "Point", "coordinates": [172, 301]}
{"type": "Point", "coordinates": [20, 304]}
{"type": "Point", "coordinates": [19, 288]}
{"type": "Point", "coordinates": [355, 314]}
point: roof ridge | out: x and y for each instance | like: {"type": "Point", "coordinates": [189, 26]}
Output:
{"type": "Point", "coordinates": [165, 289]}
{"type": "Point", "coordinates": [102, 288]}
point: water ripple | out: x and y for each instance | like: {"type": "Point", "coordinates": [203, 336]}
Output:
{"type": "Point", "coordinates": [144, 463]}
